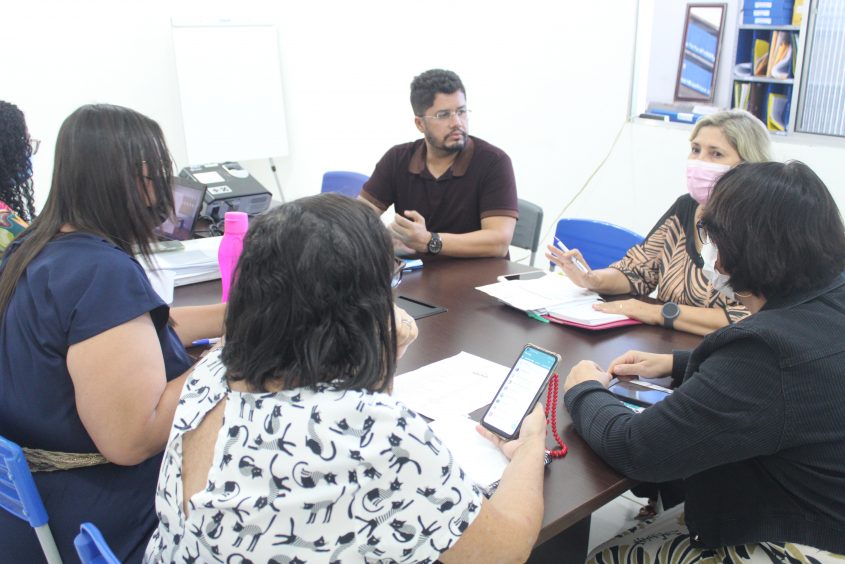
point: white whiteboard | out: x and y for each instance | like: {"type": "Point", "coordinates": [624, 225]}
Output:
{"type": "Point", "coordinates": [230, 89]}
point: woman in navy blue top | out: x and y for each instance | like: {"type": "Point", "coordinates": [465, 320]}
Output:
{"type": "Point", "coordinates": [92, 361]}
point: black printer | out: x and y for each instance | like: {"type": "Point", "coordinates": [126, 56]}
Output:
{"type": "Point", "coordinates": [229, 187]}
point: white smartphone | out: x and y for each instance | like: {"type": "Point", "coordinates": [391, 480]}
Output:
{"type": "Point", "coordinates": [533, 275]}
{"type": "Point", "coordinates": [520, 391]}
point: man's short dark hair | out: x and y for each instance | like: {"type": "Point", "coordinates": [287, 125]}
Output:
{"type": "Point", "coordinates": [777, 229]}
{"type": "Point", "coordinates": [312, 302]}
{"type": "Point", "coordinates": [428, 84]}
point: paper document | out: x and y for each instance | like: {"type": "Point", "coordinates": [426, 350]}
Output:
{"type": "Point", "coordinates": [483, 462]}
{"type": "Point", "coordinates": [454, 386]}
{"type": "Point", "coordinates": [539, 294]}
{"type": "Point", "coordinates": [197, 262]}
{"type": "Point", "coordinates": [583, 313]}
{"type": "Point", "coordinates": [162, 283]}
{"type": "Point", "coordinates": [558, 299]}
{"type": "Point", "coordinates": [211, 177]}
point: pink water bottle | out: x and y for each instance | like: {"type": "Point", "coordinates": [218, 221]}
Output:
{"type": "Point", "coordinates": [234, 228]}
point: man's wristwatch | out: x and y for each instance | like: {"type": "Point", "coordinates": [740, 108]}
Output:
{"type": "Point", "coordinates": [435, 244]}
{"type": "Point", "coordinates": [670, 312]}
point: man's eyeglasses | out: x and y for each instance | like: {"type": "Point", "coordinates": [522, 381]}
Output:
{"type": "Point", "coordinates": [447, 115]}
{"type": "Point", "coordinates": [34, 144]}
{"type": "Point", "coordinates": [703, 236]}
{"type": "Point", "coordinates": [398, 269]}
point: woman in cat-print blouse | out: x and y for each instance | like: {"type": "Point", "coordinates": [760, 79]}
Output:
{"type": "Point", "coordinates": [287, 446]}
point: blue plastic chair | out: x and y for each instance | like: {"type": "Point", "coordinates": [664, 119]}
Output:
{"type": "Point", "coordinates": [600, 243]}
{"type": "Point", "coordinates": [19, 496]}
{"type": "Point", "coordinates": [343, 182]}
{"type": "Point", "coordinates": [92, 547]}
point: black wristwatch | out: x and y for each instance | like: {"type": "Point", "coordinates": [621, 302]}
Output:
{"type": "Point", "coordinates": [435, 244]}
{"type": "Point", "coordinates": [670, 312]}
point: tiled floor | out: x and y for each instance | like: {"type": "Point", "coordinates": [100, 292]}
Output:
{"type": "Point", "coordinates": [614, 517]}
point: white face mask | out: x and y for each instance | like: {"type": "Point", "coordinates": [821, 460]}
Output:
{"type": "Point", "coordinates": [721, 282]}
{"type": "Point", "coordinates": [701, 177]}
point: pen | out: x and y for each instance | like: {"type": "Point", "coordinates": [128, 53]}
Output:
{"type": "Point", "coordinates": [559, 244]}
{"type": "Point", "coordinates": [205, 342]}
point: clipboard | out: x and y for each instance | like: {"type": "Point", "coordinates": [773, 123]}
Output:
{"type": "Point", "coordinates": [418, 309]}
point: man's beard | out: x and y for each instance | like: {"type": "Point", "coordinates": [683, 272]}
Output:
{"type": "Point", "coordinates": [457, 147]}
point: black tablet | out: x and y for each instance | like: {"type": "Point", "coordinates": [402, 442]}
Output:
{"type": "Point", "coordinates": [418, 309]}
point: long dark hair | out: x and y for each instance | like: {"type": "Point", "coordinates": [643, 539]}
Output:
{"type": "Point", "coordinates": [105, 157]}
{"type": "Point", "coordinates": [312, 302]}
{"type": "Point", "coordinates": [15, 167]}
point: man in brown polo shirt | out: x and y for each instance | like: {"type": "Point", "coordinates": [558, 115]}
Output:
{"type": "Point", "coordinates": [453, 194]}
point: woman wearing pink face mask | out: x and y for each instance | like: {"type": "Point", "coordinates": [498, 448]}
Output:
{"type": "Point", "coordinates": [670, 257]}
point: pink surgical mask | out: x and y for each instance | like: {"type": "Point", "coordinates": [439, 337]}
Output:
{"type": "Point", "coordinates": [701, 176]}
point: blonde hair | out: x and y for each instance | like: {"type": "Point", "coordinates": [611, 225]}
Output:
{"type": "Point", "coordinates": [744, 131]}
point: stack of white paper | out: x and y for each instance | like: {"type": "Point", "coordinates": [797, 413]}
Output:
{"type": "Point", "coordinates": [554, 295]}
{"type": "Point", "coordinates": [197, 262]}
{"type": "Point", "coordinates": [483, 462]}
{"type": "Point", "coordinates": [540, 293]}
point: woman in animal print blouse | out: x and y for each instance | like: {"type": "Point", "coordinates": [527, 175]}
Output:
{"type": "Point", "coordinates": [669, 258]}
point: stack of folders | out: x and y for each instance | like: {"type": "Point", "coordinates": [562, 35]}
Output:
{"type": "Point", "coordinates": [768, 12]}
{"type": "Point", "coordinates": [555, 298]}
{"type": "Point", "coordinates": [750, 96]}
{"type": "Point", "coordinates": [772, 55]}
{"type": "Point", "coordinates": [779, 64]}
{"type": "Point", "coordinates": [196, 262]}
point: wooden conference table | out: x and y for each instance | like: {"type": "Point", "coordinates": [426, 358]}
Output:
{"type": "Point", "coordinates": [575, 485]}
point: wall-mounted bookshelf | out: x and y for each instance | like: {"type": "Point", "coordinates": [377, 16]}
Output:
{"type": "Point", "coordinates": [770, 47]}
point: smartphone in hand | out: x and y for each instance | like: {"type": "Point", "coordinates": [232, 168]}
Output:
{"type": "Point", "coordinates": [637, 392]}
{"type": "Point", "coordinates": [520, 391]}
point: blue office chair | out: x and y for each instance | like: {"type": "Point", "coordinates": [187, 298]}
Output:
{"type": "Point", "coordinates": [92, 547]}
{"type": "Point", "coordinates": [343, 182]}
{"type": "Point", "coordinates": [19, 496]}
{"type": "Point", "coordinates": [601, 243]}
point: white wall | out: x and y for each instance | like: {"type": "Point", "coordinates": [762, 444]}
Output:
{"type": "Point", "coordinates": [346, 70]}
{"type": "Point", "coordinates": [665, 50]}
{"type": "Point", "coordinates": [547, 81]}
{"type": "Point", "coordinates": [646, 172]}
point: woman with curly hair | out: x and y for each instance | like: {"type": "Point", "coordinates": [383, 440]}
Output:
{"type": "Point", "coordinates": [16, 149]}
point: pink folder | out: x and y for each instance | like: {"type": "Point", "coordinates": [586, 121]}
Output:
{"type": "Point", "coordinates": [610, 325]}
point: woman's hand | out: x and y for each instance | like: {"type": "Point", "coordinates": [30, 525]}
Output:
{"type": "Point", "coordinates": [406, 330]}
{"type": "Point", "coordinates": [563, 260]}
{"type": "Point", "coordinates": [635, 309]}
{"type": "Point", "coordinates": [585, 371]}
{"type": "Point", "coordinates": [642, 364]}
{"type": "Point", "coordinates": [532, 431]}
